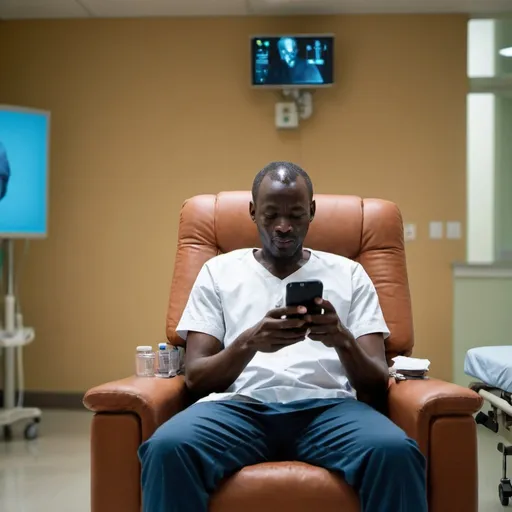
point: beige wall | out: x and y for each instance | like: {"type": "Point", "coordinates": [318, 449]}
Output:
{"type": "Point", "coordinates": [149, 112]}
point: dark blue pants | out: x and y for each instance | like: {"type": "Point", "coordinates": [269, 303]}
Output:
{"type": "Point", "coordinates": [187, 457]}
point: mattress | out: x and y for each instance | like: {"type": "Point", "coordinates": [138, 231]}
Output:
{"type": "Point", "coordinates": [492, 365]}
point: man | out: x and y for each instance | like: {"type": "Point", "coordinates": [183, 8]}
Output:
{"type": "Point", "coordinates": [293, 69]}
{"type": "Point", "coordinates": [5, 172]}
{"type": "Point", "coordinates": [282, 389]}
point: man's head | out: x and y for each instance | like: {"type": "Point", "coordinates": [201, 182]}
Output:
{"type": "Point", "coordinates": [282, 207]}
{"type": "Point", "coordinates": [5, 171]}
{"type": "Point", "coordinates": [288, 50]}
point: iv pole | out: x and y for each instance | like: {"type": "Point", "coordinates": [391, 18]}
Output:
{"type": "Point", "coordinates": [13, 338]}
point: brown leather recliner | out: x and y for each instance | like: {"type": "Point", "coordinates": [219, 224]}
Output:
{"type": "Point", "coordinates": [438, 415]}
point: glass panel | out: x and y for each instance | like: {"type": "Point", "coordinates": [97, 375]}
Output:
{"type": "Point", "coordinates": [489, 48]}
{"type": "Point", "coordinates": [504, 47]}
{"type": "Point", "coordinates": [481, 210]}
{"type": "Point", "coordinates": [481, 39]}
{"type": "Point", "coordinates": [503, 177]}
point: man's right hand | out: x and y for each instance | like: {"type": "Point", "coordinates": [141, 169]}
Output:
{"type": "Point", "coordinates": [276, 331]}
{"type": "Point", "coordinates": [213, 368]}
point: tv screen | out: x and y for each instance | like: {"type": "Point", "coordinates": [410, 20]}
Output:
{"type": "Point", "coordinates": [24, 137]}
{"type": "Point", "coordinates": [292, 61]}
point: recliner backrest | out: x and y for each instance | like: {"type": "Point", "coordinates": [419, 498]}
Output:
{"type": "Point", "coordinates": [369, 231]}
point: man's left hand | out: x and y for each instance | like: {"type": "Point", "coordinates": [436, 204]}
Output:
{"type": "Point", "coordinates": [328, 328]}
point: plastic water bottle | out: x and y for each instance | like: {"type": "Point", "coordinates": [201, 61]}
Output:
{"type": "Point", "coordinates": [175, 361]}
{"type": "Point", "coordinates": [145, 361]}
{"type": "Point", "coordinates": [164, 360]}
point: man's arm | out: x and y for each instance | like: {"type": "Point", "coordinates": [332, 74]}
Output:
{"type": "Point", "coordinates": [364, 360]}
{"type": "Point", "coordinates": [210, 368]}
{"type": "Point", "coordinates": [359, 344]}
{"type": "Point", "coordinates": [362, 349]}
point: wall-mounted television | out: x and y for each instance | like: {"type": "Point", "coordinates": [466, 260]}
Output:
{"type": "Point", "coordinates": [24, 152]}
{"type": "Point", "coordinates": [292, 61]}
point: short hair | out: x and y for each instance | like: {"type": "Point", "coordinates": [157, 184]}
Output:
{"type": "Point", "coordinates": [292, 172]}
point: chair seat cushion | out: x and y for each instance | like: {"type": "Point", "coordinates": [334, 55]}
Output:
{"type": "Point", "coordinates": [280, 486]}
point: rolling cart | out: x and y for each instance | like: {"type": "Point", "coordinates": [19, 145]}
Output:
{"type": "Point", "coordinates": [13, 337]}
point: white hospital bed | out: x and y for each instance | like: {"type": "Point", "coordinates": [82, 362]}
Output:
{"type": "Point", "coordinates": [493, 367]}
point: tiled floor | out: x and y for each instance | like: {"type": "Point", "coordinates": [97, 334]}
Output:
{"type": "Point", "coordinates": [489, 471]}
{"type": "Point", "coordinates": [51, 474]}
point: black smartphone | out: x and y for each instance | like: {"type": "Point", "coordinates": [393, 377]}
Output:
{"type": "Point", "coordinates": [304, 293]}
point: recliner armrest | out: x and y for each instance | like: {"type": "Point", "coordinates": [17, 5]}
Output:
{"type": "Point", "coordinates": [413, 404]}
{"type": "Point", "coordinates": [153, 400]}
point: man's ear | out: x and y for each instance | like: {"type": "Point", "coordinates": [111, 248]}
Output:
{"type": "Point", "coordinates": [252, 211]}
{"type": "Point", "coordinates": [312, 211]}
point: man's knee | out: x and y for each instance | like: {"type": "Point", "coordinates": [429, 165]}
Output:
{"type": "Point", "coordinates": [396, 449]}
{"type": "Point", "coordinates": [166, 446]}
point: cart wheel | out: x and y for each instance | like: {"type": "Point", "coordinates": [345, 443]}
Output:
{"type": "Point", "coordinates": [7, 433]}
{"type": "Point", "coordinates": [31, 431]}
{"type": "Point", "coordinates": [503, 499]}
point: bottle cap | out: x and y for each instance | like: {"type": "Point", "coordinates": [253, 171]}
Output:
{"type": "Point", "coordinates": [144, 348]}
{"type": "Point", "coordinates": [162, 346]}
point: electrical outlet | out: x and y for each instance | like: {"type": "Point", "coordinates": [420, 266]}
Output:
{"type": "Point", "coordinates": [453, 230]}
{"type": "Point", "coordinates": [436, 230]}
{"type": "Point", "coordinates": [287, 115]}
{"type": "Point", "coordinates": [409, 232]}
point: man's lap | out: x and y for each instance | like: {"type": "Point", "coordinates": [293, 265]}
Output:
{"type": "Point", "coordinates": [343, 438]}
{"type": "Point", "coordinates": [304, 430]}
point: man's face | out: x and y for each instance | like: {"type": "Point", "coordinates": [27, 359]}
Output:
{"type": "Point", "coordinates": [282, 214]}
{"type": "Point", "coordinates": [289, 51]}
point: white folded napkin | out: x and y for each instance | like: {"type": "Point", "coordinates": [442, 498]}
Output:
{"type": "Point", "coordinates": [410, 364]}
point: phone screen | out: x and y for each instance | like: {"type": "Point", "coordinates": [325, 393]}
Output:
{"type": "Point", "coordinates": [304, 293]}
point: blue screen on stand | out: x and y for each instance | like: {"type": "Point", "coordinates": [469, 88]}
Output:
{"type": "Point", "coordinates": [24, 136]}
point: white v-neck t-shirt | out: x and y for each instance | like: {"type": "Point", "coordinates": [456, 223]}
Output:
{"type": "Point", "coordinates": [234, 292]}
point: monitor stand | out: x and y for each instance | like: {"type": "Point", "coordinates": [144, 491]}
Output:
{"type": "Point", "coordinates": [12, 339]}
{"type": "Point", "coordinates": [303, 99]}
